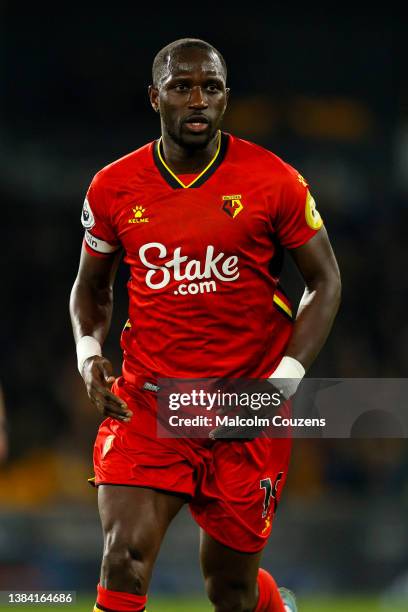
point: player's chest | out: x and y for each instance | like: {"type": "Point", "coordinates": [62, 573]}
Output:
{"type": "Point", "coordinates": [230, 218]}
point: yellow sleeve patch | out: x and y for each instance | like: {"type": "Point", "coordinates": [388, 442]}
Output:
{"type": "Point", "coordinates": [313, 218]}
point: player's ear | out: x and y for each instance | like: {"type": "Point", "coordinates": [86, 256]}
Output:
{"type": "Point", "coordinates": [154, 97]}
{"type": "Point", "coordinates": [227, 94]}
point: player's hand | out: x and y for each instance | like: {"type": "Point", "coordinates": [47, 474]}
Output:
{"type": "Point", "coordinates": [98, 379]}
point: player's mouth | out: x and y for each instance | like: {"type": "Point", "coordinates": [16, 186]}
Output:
{"type": "Point", "coordinates": [197, 123]}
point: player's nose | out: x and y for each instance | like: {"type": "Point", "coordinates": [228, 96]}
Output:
{"type": "Point", "coordinates": [197, 99]}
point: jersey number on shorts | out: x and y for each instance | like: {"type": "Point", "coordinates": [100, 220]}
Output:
{"type": "Point", "coordinates": [270, 493]}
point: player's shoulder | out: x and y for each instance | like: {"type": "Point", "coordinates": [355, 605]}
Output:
{"type": "Point", "coordinates": [129, 166]}
{"type": "Point", "coordinates": [258, 159]}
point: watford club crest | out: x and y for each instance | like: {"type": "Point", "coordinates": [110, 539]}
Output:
{"type": "Point", "coordinates": [232, 205]}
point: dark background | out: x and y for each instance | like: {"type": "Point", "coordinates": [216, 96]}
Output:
{"type": "Point", "coordinates": [325, 92]}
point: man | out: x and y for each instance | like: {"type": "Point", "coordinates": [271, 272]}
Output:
{"type": "Point", "coordinates": [202, 218]}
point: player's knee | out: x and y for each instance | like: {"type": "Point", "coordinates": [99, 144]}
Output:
{"type": "Point", "coordinates": [231, 594]}
{"type": "Point", "coordinates": [124, 567]}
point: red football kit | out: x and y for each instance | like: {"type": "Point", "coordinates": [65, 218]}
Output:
{"type": "Point", "coordinates": [205, 254]}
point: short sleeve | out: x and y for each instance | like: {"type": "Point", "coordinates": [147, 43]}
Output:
{"type": "Point", "coordinates": [297, 218]}
{"type": "Point", "coordinates": [100, 239]}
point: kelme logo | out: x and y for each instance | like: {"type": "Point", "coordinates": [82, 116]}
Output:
{"type": "Point", "coordinates": [138, 215]}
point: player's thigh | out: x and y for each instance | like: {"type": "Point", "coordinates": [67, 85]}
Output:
{"type": "Point", "coordinates": [226, 570]}
{"type": "Point", "coordinates": [136, 518]}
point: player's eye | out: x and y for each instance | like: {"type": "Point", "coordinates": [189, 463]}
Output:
{"type": "Point", "coordinates": [181, 87]}
{"type": "Point", "coordinates": [213, 88]}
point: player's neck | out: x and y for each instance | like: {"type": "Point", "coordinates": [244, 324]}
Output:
{"type": "Point", "coordinates": [183, 160]}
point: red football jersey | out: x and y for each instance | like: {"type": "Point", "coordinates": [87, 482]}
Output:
{"type": "Point", "coordinates": [205, 257]}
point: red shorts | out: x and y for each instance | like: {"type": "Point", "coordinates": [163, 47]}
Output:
{"type": "Point", "coordinates": [232, 487]}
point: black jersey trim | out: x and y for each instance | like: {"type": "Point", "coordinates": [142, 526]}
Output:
{"type": "Point", "coordinates": [176, 183]}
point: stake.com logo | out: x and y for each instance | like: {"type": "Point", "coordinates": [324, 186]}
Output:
{"type": "Point", "coordinates": [214, 267]}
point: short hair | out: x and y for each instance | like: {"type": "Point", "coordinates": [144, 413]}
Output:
{"type": "Point", "coordinates": [164, 54]}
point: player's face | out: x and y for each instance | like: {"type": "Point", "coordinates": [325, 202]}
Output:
{"type": "Point", "coordinates": [191, 97]}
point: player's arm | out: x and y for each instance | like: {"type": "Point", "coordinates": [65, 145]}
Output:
{"type": "Point", "coordinates": [91, 306]}
{"type": "Point", "coordinates": [317, 264]}
{"type": "Point", "coordinates": [320, 302]}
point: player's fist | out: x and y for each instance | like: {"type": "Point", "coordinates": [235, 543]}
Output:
{"type": "Point", "coordinates": [98, 379]}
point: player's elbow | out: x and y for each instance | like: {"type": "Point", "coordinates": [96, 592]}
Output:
{"type": "Point", "coordinates": [97, 292]}
{"type": "Point", "coordinates": [336, 288]}
{"type": "Point", "coordinates": [327, 289]}
{"type": "Point", "coordinates": [331, 289]}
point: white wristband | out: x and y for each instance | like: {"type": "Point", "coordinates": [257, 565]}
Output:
{"type": "Point", "coordinates": [86, 347]}
{"type": "Point", "coordinates": [290, 372]}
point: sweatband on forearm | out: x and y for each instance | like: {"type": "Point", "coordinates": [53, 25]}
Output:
{"type": "Point", "coordinates": [289, 372]}
{"type": "Point", "coordinates": [86, 347]}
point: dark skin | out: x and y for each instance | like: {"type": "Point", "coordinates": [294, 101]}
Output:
{"type": "Point", "coordinates": [91, 312]}
{"type": "Point", "coordinates": [193, 90]}
{"type": "Point", "coordinates": [191, 97]}
{"type": "Point", "coordinates": [317, 309]}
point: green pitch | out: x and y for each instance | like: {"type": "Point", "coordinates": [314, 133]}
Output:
{"type": "Point", "coordinates": [173, 604]}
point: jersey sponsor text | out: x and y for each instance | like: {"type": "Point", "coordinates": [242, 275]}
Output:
{"type": "Point", "coordinates": [212, 267]}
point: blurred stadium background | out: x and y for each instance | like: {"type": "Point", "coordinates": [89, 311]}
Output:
{"type": "Point", "coordinates": [325, 93]}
